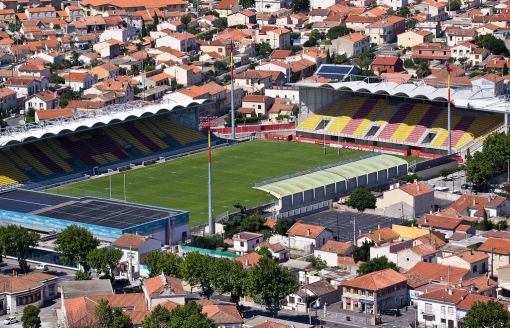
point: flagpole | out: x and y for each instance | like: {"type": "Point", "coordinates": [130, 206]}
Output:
{"type": "Point", "coordinates": [449, 111]}
{"type": "Point", "coordinates": [232, 109]}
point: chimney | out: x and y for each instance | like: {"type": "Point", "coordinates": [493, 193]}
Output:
{"type": "Point", "coordinates": [247, 263]}
{"type": "Point", "coordinates": [308, 232]}
{"type": "Point", "coordinates": [378, 227]}
{"type": "Point", "coordinates": [474, 202]}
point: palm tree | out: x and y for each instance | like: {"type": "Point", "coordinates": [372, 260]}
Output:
{"type": "Point", "coordinates": [363, 61]}
{"type": "Point", "coordinates": [423, 70]}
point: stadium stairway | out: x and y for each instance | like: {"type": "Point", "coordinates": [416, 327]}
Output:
{"type": "Point", "coordinates": [311, 122]}
{"type": "Point", "coordinates": [442, 137]}
{"type": "Point", "coordinates": [395, 121]}
{"type": "Point", "coordinates": [182, 134]}
{"type": "Point", "coordinates": [369, 119]}
{"type": "Point", "coordinates": [425, 123]}
{"type": "Point", "coordinates": [359, 116]}
{"type": "Point", "coordinates": [9, 173]}
{"type": "Point", "coordinates": [150, 134]}
{"type": "Point", "coordinates": [130, 139]}
{"type": "Point", "coordinates": [345, 115]}
{"type": "Point", "coordinates": [79, 150]}
{"type": "Point", "coordinates": [460, 129]}
{"type": "Point", "coordinates": [415, 115]}
{"type": "Point", "coordinates": [142, 138]}
{"type": "Point", "coordinates": [43, 158]}
{"type": "Point", "coordinates": [49, 151]}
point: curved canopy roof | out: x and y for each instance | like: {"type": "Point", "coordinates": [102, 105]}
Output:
{"type": "Point", "coordinates": [334, 174]}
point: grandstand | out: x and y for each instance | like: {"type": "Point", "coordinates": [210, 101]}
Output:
{"type": "Point", "coordinates": [396, 124]}
{"type": "Point", "coordinates": [99, 147]}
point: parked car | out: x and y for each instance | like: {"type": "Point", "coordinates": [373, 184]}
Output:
{"type": "Point", "coordinates": [11, 320]}
{"type": "Point", "coordinates": [42, 267]}
{"type": "Point", "coordinates": [392, 312]}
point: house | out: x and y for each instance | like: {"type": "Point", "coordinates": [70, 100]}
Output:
{"type": "Point", "coordinates": [79, 81]}
{"type": "Point", "coordinates": [474, 54]}
{"type": "Point", "coordinates": [270, 6]}
{"type": "Point", "coordinates": [431, 51]}
{"type": "Point", "coordinates": [79, 312]}
{"type": "Point", "coordinates": [411, 200]}
{"type": "Point", "coordinates": [248, 260]}
{"type": "Point", "coordinates": [253, 81]}
{"type": "Point", "coordinates": [375, 292]}
{"type": "Point", "coordinates": [276, 37]}
{"type": "Point", "coordinates": [34, 288]}
{"type": "Point", "coordinates": [42, 100]}
{"type": "Point", "coordinates": [184, 42]}
{"type": "Point", "coordinates": [435, 11]}
{"type": "Point", "coordinates": [33, 70]}
{"type": "Point", "coordinates": [282, 111]}
{"type": "Point", "coordinates": [476, 262]}
{"type": "Point", "coordinates": [162, 288]}
{"type": "Point", "coordinates": [490, 83]}
{"type": "Point", "coordinates": [270, 322]}
{"type": "Point", "coordinates": [308, 237]}
{"type": "Point", "coordinates": [7, 16]}
{"type": "Point", "coordinates": [44, 115]}
{"type": "Point", "coordinates": [447, 306]}
{"type": "Point", "coordinates": [40, 13]}
{"type": "Point", "coordinates": [223, 315]}
{"type": "Point", "coordinates": [8, 100]}
{"type": "Point", "coordinates": [105, 71]}
{"type": "Point", "coordinates": [245, 242]}
{"type": "Point", "coordinates": [395, 5]}
{"type": "Point", "coordinates": [107, 49]}
{"type": "Point", "coordinates": [386, 30]}
{"type": "Point", "coordinates": [456, 35]}
{"type": "Point", "coordinates": [379, 236]}
{"type": "Point", "coordinates": [387, 64]}
{"type": "Point", "coordinates": [445, 224]}
{"type": "Point", "coordinates": [134, 248]}
{"type": "Point", "coordinates": [331, 250]}
{"type": "Point", "coordinates": [243, 17]}
{"type": "Point", "coordinates": [409, 257]}
{"type": "Point", "coordinates": [227, 7]}
{"type": "Point", "coordinates": [278, 252]}
{"type": "Point", "coordinates": [475, 205]}
{"type": "Point", "coordinates": [316, 294]}
{"type": "Point", "coordinates": [498, 250]}
{"type": "Point", "coordinates": [322, 4]}
{"type": "Point", "coordinates": [185, 74]}
{"type": "Point", "coordinates": [260, 104]}
{"type": "Point", "coordinates": [422, 273]}
{"type": "Point", "coordinates": [351, 44]}
{"type": "Point", "coordinates": [412, 38]}
{"type": "Point", "coordinates": [26, 86]}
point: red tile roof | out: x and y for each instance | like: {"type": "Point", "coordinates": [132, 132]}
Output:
{"type": "Point", "coordinates": [305, 230]}
{"type": "Point", "coordinates": [376, 280]}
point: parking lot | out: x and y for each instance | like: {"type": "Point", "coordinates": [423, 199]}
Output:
{"type": "Point", "coordinates": [342, 223]}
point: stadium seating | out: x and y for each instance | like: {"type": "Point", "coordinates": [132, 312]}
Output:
{"type": "Point", "coordinates": [405, 122]}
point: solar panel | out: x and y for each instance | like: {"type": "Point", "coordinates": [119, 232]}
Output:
{"type": "Point", "coordinates": [334, 69]}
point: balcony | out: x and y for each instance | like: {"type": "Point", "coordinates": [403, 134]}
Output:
{"type": "Point", "coordinates": [428, 316]}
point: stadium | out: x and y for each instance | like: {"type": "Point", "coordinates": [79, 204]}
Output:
{"type": "Point", "coordinates": [163, 141]}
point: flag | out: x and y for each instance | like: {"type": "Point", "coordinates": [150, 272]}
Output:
{"type": "Point", "coordinates": [232, 64]}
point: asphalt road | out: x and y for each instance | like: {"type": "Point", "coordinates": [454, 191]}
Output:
{"type": "Point", "coordinates": [342, 223]}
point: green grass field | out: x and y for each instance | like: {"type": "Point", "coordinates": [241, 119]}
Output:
{"type": "Point", "coordinates": [182, 183]}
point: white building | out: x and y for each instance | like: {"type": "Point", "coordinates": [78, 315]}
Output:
{"type": "Point", "coordinates": [308, 237]}
{"type": "Point", "coordinates": [133, 248]}
{"type": "Point", "coordinates": [246, 242]}
{"type": "Point", "coordinates": [322, 4]}
{"type": "Point", "coordinates": [331, 250]}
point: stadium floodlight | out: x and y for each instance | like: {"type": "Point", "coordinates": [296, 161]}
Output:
{"type": "Point", "coordinates": [230, 47]}
{"type": "Point", "coordinates": [449, 70]}
{"type": "Point", "coordinates": [206, 122]}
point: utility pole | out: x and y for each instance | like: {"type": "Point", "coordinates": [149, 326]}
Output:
{"type": "Point", "coordinates": [110, 186]}
{"type": "Point", "coordinates": [354, 231]}
{"type": "Point", "coordinates": [124, 186]}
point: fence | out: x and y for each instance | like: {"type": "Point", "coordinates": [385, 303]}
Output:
{"type": "Point", "coordinates": [255, 128]}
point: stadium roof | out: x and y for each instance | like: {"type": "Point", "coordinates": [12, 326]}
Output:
{"type": "Point", "coordinates": [470, 97]}
{"type": "Point", "coordinates": [329, 175]}
{"type": "Point", "coordinates": [85, 120]}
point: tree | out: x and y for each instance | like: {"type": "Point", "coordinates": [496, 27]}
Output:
{"type": "Point", "coordinates": [168, 264]}
{"type": "Point", "coordinates": [80, 275]}
{"type": "Point", "coordinates": [340, 59]}
{"type": "Point", "coordinates": [189, 316]}
{"type": "Point", "coordinates": [264, 251]}
{"type": "Point", "coordinates": [18, 241]}
{"type": "Point", "coordinates": [158, 318]}
{"type": "Point", "coordinates": [107, 316]}
{"type": "Point", "coordinates": [263, 48]}
{"type": "Point", "coordinates": [486, 314]}
{"type": "Point", "coordinates": [229, 277]}
{"type": "Point", "coordinates": [376, 264]}
{"type": "Point", "coordinates": [155, 21]}
{"type": "Point", "coordinates": [221, 23]}
{"type": "Point", "coordinates": [247, 3]}
{"type": "Point", "coordinates": [30, 116]}
{"type": "Point", "coordinates": [143, 31]}
{"type": "Point", "coordinates": [56, 79]}
{"type": "Point", "coordinates": [283, 225]}
{"type": "Point", "coordinates": [403, 11]}
{"type": "Point", "coordinates": [104, 260]}
{"type": "Point", "coordinates": [254, 223]}
{"type": "Point", "coordinates": [423, 70]}
{"type": "Point", "coordinates": [301, 5]}
{"type": "Point", "coordinates": [455, 5]}
{"type": "Point", "coordinates": [317, 263]}
{"type": "Point", "coordinates": [479, 169]}
{"type": "Point", "coordinates": [362, 253]}
{"type": "Point", "coordinates": [269, 284]}
{"type": "Point", "coordinates": [493, 44]}
{"type": "Point", "coordinates": [196, 270]}
{"type": "Point", "coordinates": [361, 199]}
{"type": "Point", "coordinates": [338, 31]}
{"type": "Point", "coordinates": [363, 61]}
{"type": "Point", "coordinates": [185, 20]}
{"type": "Point", "coordinates": [501, 225]}
{"type": "Point", "coordinates": [30, 317]}
{"type": "Point", "coordinates": [411, 23]}
{"type": "Point", "coordinates": [496, 149]}
{"type": "Point", "coordinates": [311, 42]}
{"type": "Point", "coordinates": [208, 242]}
{"type": "Point", "coordinates": [75, 243]}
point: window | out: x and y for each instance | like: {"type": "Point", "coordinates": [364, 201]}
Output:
{"type": "Point", "coordinates": [428, 307]}
{"type": "Point", "coordinates": [450, 310]}
{"type": "Point", "coordinates": [442, 308]}
{"type": "Point", "coordinates": [475, 268]}
{"type": "Point", "coordinates": [242, 243]}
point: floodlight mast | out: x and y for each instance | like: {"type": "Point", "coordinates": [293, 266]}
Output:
{"type": "Point", "coordinates": [207, 122]}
